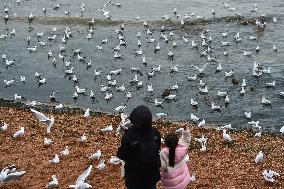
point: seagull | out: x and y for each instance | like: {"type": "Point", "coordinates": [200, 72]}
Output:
{"type": "Point", "coordinates": [120, 108]}
{"type": "Point", "coordinates": [53, 183]}
{"type": "Point", "coordinates": [65, 152]}
{"type": "Point", "coordinates": [9, 173]}
{"type": "Point", "coordinates": [193, 103]}
{"type": "Point", "coordinates": [114, 160]}
{"type": "Point", "coordinates": [47, 142]}
{"type": "Point", "coordinates": [83, 138]}
{"type": "Point", "coordinates": [96, 155]}
{"type": "Point", "coordinates": [226, 136]}
{"type": "Point", "coordinates": [109, 128]}
{"type": "Point", "coordinates": [158, 103]}
{"type": "Point", "coordinates": [80, 182]}
{"type": "Point", "coordinates": [282, 130]}
{"type": "Point", "coordinates": [87, 113]}
{"type": "Point", "coordinates": [191, 78]}
{"type": "Point", "coordinates": [248, 115]}
{"type": "Point", "coordinates": [221, 93]}
{"type": "Point", "coordinates": [269, 174]}
{"type": "Point", "coordinates": [194, 118]}
{"type": "Point", "coordinates": [214, 107]}
{"type": "Point", "coordinates": [19, 133]}
{"type": "Point", "coordinates": [161, 114]}
{"type": "Point", "coordinates": [202, 123]}
{"type": "Point", "coordinates": [44, 119]}
{"type": "Point", "coordinates": [55, 160]}
{"type": "Point", "coordinates": [101, 165]}
{"type": "Point", "coordinates": [203, 142]}
{"type": "Point", "coordinates": [265, 101]}
{"type": "Point", "coordinates": [271, 84]}
{"type": "Point", "coordinates": [4, 127]}
{"type": "Point", "coordinates": [259, 157]}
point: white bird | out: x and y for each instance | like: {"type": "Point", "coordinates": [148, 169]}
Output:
{"type": "Point", "coordinates": [59, 106]}
{"type": "Point", "coordinates": [4, 127]}
{"type": "Point", "coordinates": [114, 160]}
{"type": "Point", "coordinates": [128, 94]}
{"type": "Point", "coordinates": [227, 99]}
{"type": "Point", "coordinates": [202, 141]}
{"type": "Point", "coordinates": [219, 67]}
{"type": "Point", "coordinates": [47, 142]}
{"type": "Point", "coordinates": [193, 103]}
{"type": "Point", "coordinates": [203, 90]}
{"type": "Point", "coordinates": [96, 155]}
{"type": "Point", "coordinates": [150, 88]}
{"type": "Point", "coordinates": [194, 118]}
{"type": "Point", "coordinates": [259, 157]}
{"type": "Point", "coordinates": [120, 108]}
{"type": "Point", "coordinates": [80, 90]}
{"type": "Point", "coordinates": [247, 53]}
{"type": "Point", "coordinates": [214, 107]}
{"type": "Point", "coordinates": [19, 133]}
{"type": "Point", "coordinates": [221, 93]}
{"type": "Point", "coordinates": [87, 113]}
{"type": "Point", "coordinates": [229, 74]}
{"type": "Point", "coordinates": [258, 134]}
{"type": "Point", "coordinates": [80, 182]}
{"type": "Point", "coordinates": [101, 165]}
{"type": "Point", "coordinates": [248, 115]}
{"type": "Point", "coordinates": [9, 173]}
{"type": "Point", "coordinates": [174, 87]}
{"type": "Point", "coordinates": [161, 114]}
{"type": "Point", "coordinates": [269, 174]}
{"type": "Point", "coordinates": [244, 84]}
{"type": "Point", "coordinates": [65, 152]}
{"type": "Point", "coordinates": [83, 138]}
{"type": "Point", "coordinates": [191, 78]}
{"type": "Point", "coordinates": [266, 71]}
{"type": "Point", "coordinates": [44, 119]}
{"type": "Point", "coordinates": [271, 84]}
{"type": "Point", "coordinates": [55, 160]}
{"type": "Point", "coordinates": [53, 183]}
{"type": "Point", "coordinates": [157, 69]}
{"type": "Point", "coordinates": [265, 101]}
{"type": "Point", "coordinates": [242, 92]}
{"type": "Point", "coordinates": [109, 128]}
{"type": "Point", "coordinates": [22, 78]}
{"type": "Point", "coordinates": [202, 123]}
{"type": "Point", "coordinates": [170, 97]}
{"type": "Point", "coordinates": [158, 103]}
{"type": "Point", "coordinates": [274, 48]}
{"type": "Point", "coordinates": [226, 136]}
{"type": "Point", "coordinates": [108, 96]}
{"type": "Point", "coordinates": [282, 130]}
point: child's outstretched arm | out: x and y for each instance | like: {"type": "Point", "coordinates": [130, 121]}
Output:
{"type": "Point", "coordinates": [186, 137]}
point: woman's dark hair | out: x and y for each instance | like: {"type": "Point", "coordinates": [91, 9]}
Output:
{"type": "Point", "coordinates": [171, 142]}
{"type": "Point", "coordinates": [141, 118]}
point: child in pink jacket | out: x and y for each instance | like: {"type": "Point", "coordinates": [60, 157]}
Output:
{"type": "Point", "coordinates": [174, 170]}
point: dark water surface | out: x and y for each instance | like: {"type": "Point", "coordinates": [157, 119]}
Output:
{"type": "Point", "coordinates": [26, 64]}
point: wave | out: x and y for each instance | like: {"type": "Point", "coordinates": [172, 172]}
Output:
{"type": "Point", "coordinates": [105, 22]}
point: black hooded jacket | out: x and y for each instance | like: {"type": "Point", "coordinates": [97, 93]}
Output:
{"type": "Point", "coordinates": [139, 173]}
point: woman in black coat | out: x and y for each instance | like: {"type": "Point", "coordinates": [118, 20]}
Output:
{"type": "Point", "coordinates": [139, 149]}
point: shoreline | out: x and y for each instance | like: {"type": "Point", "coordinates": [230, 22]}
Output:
{"type": "Point", "coordinates": [223, 165]}
{"type": "Point", "coordinates": [48, 107]}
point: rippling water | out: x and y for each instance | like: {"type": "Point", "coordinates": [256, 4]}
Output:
{"type": "Point", "coordinates": [27, 64]}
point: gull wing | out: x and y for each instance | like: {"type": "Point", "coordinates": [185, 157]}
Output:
{"type": "Point", "coordinates": [15, 175]}
{"type": "Point", "coordinates": [40, 116]}
{"type": "Point", "coordinates": [84, 175]}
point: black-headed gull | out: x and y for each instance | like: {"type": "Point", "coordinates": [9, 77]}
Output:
{"type": "Point", "coordinates": [44, 119]}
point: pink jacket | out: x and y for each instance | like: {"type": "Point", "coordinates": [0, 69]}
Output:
{"type": "Point", "coordinates": [176, 177]}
